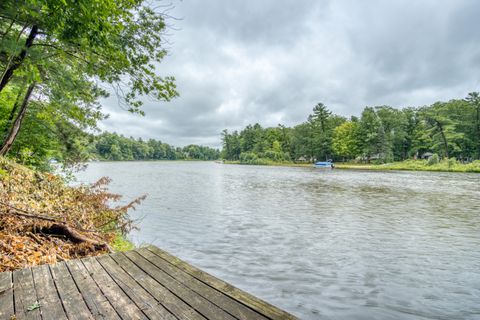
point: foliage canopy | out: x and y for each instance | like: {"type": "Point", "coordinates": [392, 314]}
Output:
{"type": "Point", "coordinates": [381, 134]}
{"type": "Point", "coordinates": [68, 53]}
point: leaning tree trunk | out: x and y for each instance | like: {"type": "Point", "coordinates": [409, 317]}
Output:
{"type": "Point", "coordinates": [8, 142]}
{"type": "Point", "coordinates": [13, 112]}
{"type": "Point", "coordinates": [18, 60]}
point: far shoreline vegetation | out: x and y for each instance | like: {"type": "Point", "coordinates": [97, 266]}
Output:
{"type": "Point", "coordinates": [444, 136]}
{"type": "Point", "coordinates": [113, 147]}
{"type": "Point", "coordinates": [407, 165]}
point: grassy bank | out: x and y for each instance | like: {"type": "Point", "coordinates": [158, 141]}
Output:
{"type": "Point", "coordinates": [447, 165]}
{"type": "Point", "coordinates": [44, 220]}
{"type": "Point", "coordinates": [121, 243]}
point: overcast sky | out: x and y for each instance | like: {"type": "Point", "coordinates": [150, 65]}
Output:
{"type": "Point", "coordinates": [271, 61]}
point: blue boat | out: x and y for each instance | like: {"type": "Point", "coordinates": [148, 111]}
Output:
{"type": "Point", "coordinates": [324, 164]}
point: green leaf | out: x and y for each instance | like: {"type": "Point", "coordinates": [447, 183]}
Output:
{"type": "Point", "coordinates": [33, 306]}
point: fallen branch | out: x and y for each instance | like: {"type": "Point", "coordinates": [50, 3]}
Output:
{"type": "Point", "coordinates": [23, 213]}
{"type": "Point", "coordinates": [57, 228]}
{"type": "Point", "coordinates": [74, 235]}
{"type": "Point", "coordinates": [34, 237]}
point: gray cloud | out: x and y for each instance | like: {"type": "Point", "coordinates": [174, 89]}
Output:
{"type": "Point", "coordinates": [271, 61]}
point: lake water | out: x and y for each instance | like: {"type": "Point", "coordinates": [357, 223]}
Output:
{"type": "Point", "coordinates": [320, 244]}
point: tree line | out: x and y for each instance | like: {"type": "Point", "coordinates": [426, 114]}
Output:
{"type": "Point", "coordinates": [381, 134]}
{"type": "Point", "coordinates": [111, 146]}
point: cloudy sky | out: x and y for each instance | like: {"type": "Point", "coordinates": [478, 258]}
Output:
{"type": "Point", "coordinates": [271, 61]}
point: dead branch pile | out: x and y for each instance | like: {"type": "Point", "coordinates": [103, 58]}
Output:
{"type": "Point", "coordinates": [42, 220]}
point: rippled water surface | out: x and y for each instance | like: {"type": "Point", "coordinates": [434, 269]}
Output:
{"type": "Point", "coordinates": [320, 244]}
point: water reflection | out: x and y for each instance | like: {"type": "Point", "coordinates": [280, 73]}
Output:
{"type": "Point", "coordinates": [320, 244]}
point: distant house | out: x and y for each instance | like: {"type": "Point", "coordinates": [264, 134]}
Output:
{"type": "Point", "coordinates": [426, 155]}
{"type": "Point", "coordinates": [377, 156]}
{"type": "Point", "coordinates": [302, 159]}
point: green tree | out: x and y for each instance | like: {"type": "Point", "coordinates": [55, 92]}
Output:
{"type": "Point", "coordinates": [115, 153]}
{"type": "Point", "coordinates": [321, 133]}
{"type": "Point", "coordinates": [383, 133]}
{"type": "Point", "coordinates": [302, 142]}
{"type": "Point", "coordinates": [473, 99]}
{"type": "Point", "coordinates": [45, 44]}
{"type": "Point", "coordinates": [441, 128]}
{"type": "Point", "coordinates": [345, 140]}
{"type": "Point", "coordinates": [231, 145]}
{"type": "Point", "coordinates": [372, 133]}
{"type": "Point", "coordinates": [276, 146]}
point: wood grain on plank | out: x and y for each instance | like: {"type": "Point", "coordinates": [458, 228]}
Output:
{"type": "Point", "coordinates": [223, 301]}
{"type": "Point", "coordinates": [144, 300]}
{"type": "Point", "coordinates": [170, 301]}
{"type": "Point", "coordinates": [98, 304]}
{"type": "Point", "coordinates": [26, 302]}
{"type": "Point", "coordinates": [71, 298]}
{"type": "Point", "coordinates": [6, 295]}
{"type": "Point", "coordinates": [48, 299]}
{"type": "Point", "coordinates": [196, 301]}
{"type": "Point", "coordinates": [122, 304]}
{"type": "Point", "coordinates": [257, 304]}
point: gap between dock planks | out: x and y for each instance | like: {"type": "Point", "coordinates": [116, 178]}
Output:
{"type": "Point", "coordinates": [145, 283]}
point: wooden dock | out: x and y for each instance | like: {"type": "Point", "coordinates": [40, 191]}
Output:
{"type": "Point", "coordinates": [145, 283]}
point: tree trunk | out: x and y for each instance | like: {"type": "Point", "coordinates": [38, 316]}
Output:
{"type": "Point", "coordinates": [18, 60]}
{"type": "Point", "coordinates": [12, 114]}
{"type": "Point", "coordinates": [75, 236]}
{"type": "Point", "coordinates": [8, 142]}
{"type": "Point", "coordinates": [444, 139]}
{"type": "Point", "coordinates": [478, 132]}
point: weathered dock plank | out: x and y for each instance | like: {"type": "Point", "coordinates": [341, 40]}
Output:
{"type": "Point", "coordinates": [145, 301]}
{"type": "Point", "coordinates": [25, 297]}
{"type": "Point", "coordinates": [256, 304]}
{"type": "Point", "coordinates": [118, 299]}
{"type": "Point", "coordinates": [202, 305]}
{"type": "Point", "coordinates": [98, 304]}
{"type": "Point", "coordinates": [230, 305]}
{"type": "Point", "coordinates": [170, 301]}
{"type": "Point", "coordinates": [6, 296]}
{"type": "Point", "coordinates": [49, 302]}
{"type": "Point", "coordinates": [146, 283]}
{"type": "Point", "coordinates": [72, 300]}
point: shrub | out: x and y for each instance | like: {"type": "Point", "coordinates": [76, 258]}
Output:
{"type": "Point", "coordinates": [451, 162]}
{"type": "Point", "coordinates": [274, 155]}
{"type": "Point", "coordinates": [248, 157]}
{"type": "Point", "coordinates": [474, 166]}
{"type": "Point", "coordinates": [43, 220]}
{"type": "Point", "coordinates": [434, 159]}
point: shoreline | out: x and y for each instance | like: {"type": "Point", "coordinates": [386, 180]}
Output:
{"type": "Point", "coordinates": [411, 165]}
{"type": "Point", "coordinates": [151, 160]}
